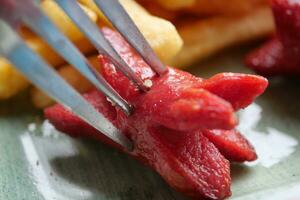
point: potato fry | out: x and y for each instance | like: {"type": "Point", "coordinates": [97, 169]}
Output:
{"type": "Point", "coordinates": [157, 10]}
{"type": "Point", "coordinates": [211, 7]}
{"type": "Point", "coordinates": [72, 76]}
{"type": "Point", "coordinates": [44, 50]}
{"type": "Point", "coordinates": [161, 34]}
{"type": "Point", "coordinates": [177, 4]}
{"type": "Point", "coordinates": [91, 5]}
{"type": "Point", "coordinates": [166, 47]}
{"type": "Point", "coordinates": [63, 22]}
{"type": "Point", "coordinates": [206, 37]}
{"type": "Point", "coordinates": [11, 82]}
{"type": "Point", "coordinates": [224, 7]}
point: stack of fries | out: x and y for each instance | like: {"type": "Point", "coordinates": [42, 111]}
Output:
{"type": "Point", "coordinates": [208, 26]}
{"type": "Point", "coordinates": [181, 32]}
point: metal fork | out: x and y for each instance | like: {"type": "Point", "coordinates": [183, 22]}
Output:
{"type": "Point", "coordinates": [16, 12]}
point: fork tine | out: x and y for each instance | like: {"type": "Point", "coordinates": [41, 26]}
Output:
{"type": "Point", "coordinates": [40, 23]}
{"type": "Point", "coordinates": [117, 15]}
{"type": "Point", "coordinates": [73, 10]}
{"type": "Point", "coordinates": [36, 70]}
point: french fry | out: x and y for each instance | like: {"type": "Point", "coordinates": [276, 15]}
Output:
{"type": "Point", "coordinates": [67, 27]}
{"type": "Point", "coordinates": [210, 7]}
{"type": "Point", "coordinates": [161, 34]}
{"type": "Point", "coordinates": [91, 5]}
{"type": "Point", "coordinates": [224, 7]}
{"type": "Point", "coordinates": [177, 4]}
{"type": "Point", "coordinates": [157, 10]}
{"type": "Point", "coordinates": [202, 38]}
{"type": "Point", "coordinates": [206, 37]}
{"type": "Point", "coordinates": [11, 82]}
{"type": "Point", "coordinates": [166, 47]}
{"type": "Point", "coordinates": [44, 50]}
{"type": "Point", "coordinates": [63, 22]}
{"type": "Point", "coordinates": [72, 76]}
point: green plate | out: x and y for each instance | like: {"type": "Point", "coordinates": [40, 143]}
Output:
{"type": "Point", "coordinates": [36, 162]}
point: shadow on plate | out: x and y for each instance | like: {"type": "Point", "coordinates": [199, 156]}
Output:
{"type": "Point", "coordinates": [111, 174]}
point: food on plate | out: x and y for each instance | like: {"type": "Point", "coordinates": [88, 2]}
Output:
{"type": "Point", "coordinates": [66, 26]}
{"type": "Point", "coordinates": [212, 7]}
{"type": "Point", "coordinates": [208, 27]}
{"type": "Point", "coordinates": [280, 55]}
{"type": "Point", "coordinates": [72, 76]}
{"type": "Point", "coordinates": [11, 82]}
{"type": "Point", "coordinates": [223, 7]}
{"type": "Point", "coordinates": [175, 4]}
{"type": "Point", "coordinates": [204, 37]}
{"type": "Point", "coordinates": [165, 41]}
{"type": "Point", "coordinates": [202, 34]}
{"type": "Point", "coordinates": [63, 22]}
{"type": "Point", "coordinates": [183, 128]}
{"type": "Point", "coordinates": [231, 144]}
{"type": "Point", "coordinates": [161, 35]}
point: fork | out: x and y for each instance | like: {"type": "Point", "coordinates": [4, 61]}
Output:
{"type": "Point", "coordinates": [14, 13]}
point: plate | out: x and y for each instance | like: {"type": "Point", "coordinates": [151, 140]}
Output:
{"type": "Point", "coordinates": [37, 162]}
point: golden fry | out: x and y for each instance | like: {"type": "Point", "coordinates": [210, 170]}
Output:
{"type": "Point", "coordinates": [153, 28]}
{"type": "Point", "coordinates": [176, 4]}
{"type": "Point", "coordinates": [91, 5]}
{"type": "Point", "coordinates": [225, 7]}
{"type": "Point", "coordinates": [157, 10]}
{"type": "Point", "coordinates": [44, 50]}
{"type": "Point", "coordinates": [202, 38]}
{"type": "Point", "coordinates": [211, 7]}
{"type": "Point", "coordinates": [161, 34]}
{"type": "Point", "coordinates": [62, 21]}
{"type": "Point", "coordinates": [72, 76]}
{"type": "Point", "coordinates": [206, 37]}
{"type": "Point", "coordinates": [11, 82]}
